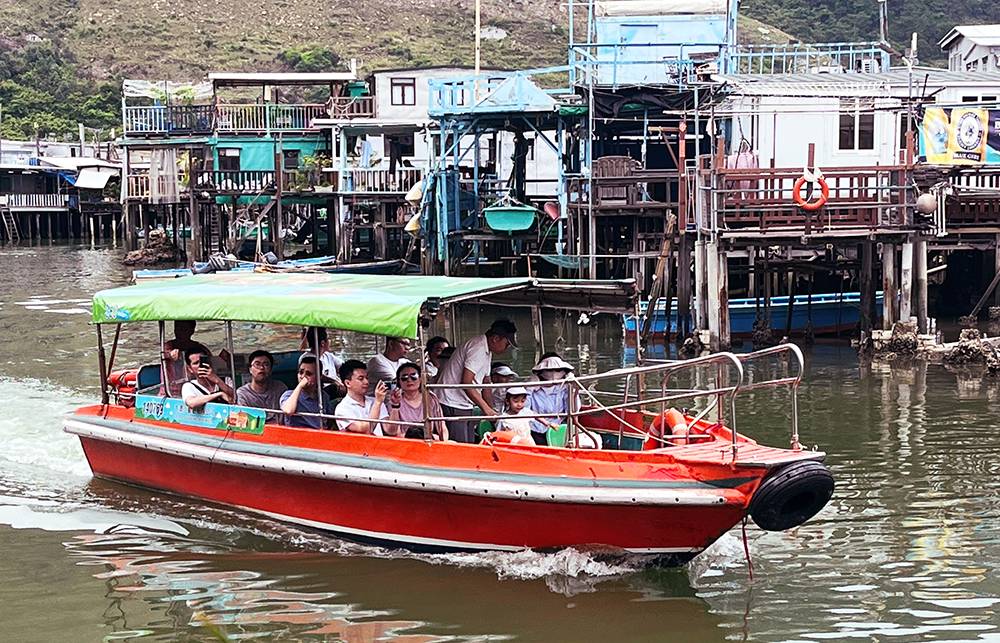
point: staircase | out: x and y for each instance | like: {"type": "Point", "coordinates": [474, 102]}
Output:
{"type": "Point", "coordinates": [9, 223]}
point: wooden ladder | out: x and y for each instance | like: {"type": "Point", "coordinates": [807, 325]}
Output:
{"type": "Point", "coordinates": [9, 223]}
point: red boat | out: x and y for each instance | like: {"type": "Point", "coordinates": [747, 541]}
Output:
{"type": "Point", "coordinates": [655, 480]}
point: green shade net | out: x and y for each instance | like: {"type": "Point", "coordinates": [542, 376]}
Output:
{"type": "Point", "coordinates": [372, 304]}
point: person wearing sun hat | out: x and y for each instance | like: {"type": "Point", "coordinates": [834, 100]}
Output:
{"type": "Point", "coordinates": [551, 398]}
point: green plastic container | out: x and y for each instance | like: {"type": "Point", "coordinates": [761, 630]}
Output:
{"type": "Point", "coordinates": [557, 436]}
{"type": "Point", "coordinates": [509, 218]}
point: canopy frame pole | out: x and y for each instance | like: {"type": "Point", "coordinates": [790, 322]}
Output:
{"type": "Point", "coordinates": [232, 354]}
{"type": "Point", "coordinates": [114, 348]}
{"type": "Point", "coordinates": [319, 369]}
{"type": "Point", "coordinates": [539, 331]}
{"type": "Point", "coordinates": [102, 366]}
{"type": "Point", "coordinates": [425, 394]}
{"type": "Point", "coordinates": [163, 358]}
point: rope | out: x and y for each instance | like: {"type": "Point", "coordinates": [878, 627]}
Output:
{"type": "Point", "coordinates": [746, 549]}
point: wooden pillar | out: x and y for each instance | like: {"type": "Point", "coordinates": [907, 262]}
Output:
{"type": "Point", "coordinates": [920, 275]}
{"type": "Point", "coordinates": [889, 307]}
{"type": "Point", "coordinates": [684, 286]}
{"type": "Point", "coordinates": [331, 225]}
{"type": "Point", "coordinates": [905, 281]}
{"type": "Point", "coordinates": [723, 298]}
{"type": "Point", "coordinates": [700, 286]}
{"type": "Point", "coordinates": [131, 239]}
{"type": "Point", "coordinates": [194, 218]}
{"type": "Point", "coordinates": [996, 268]}
{"type": "Point", "coordinates": [279, 183]}
{"type": "Point", "coordinates": [714, 287]}
{"type": "Point", "coordinates": [867, 288]}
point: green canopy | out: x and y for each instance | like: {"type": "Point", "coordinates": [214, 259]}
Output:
{"type": "Point", "coordinates": [375, 304]}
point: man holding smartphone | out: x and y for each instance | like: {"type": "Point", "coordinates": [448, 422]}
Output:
{"type": "Point", "coordinates": [204, 385]}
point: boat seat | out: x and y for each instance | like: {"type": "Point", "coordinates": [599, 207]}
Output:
{"type": "Point", "coordinates": [148, 377]}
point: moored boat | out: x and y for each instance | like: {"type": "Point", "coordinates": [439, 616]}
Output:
{"type": "Point", "coordinates": [637, 476]}
{"type": "Point", "coordinates": [822, 314]}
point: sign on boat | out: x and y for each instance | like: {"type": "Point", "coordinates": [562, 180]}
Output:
{"type": "Point", "coordinates": [639, 473]}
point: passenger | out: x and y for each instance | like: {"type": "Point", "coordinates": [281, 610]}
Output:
{"type": "Point", "coordinates": [204, 385]}
{"type": "Point", "coordinates": [174, 352]}
{"type": "Point", "coordinates": [303, 399]}
{"type": "Point", "coordinates": [516, 403]}
{"type": "Point", "coordinates": [442, 360]}
{"type": "Point", "coordinates": [470, 365]}
{"type": "Point", "coordinates": [383, 367]}
{"type": "Point", "coordinates": [545, 356]}
{"type": "Point", "coordinates": [552, 398]}
{"type": "Point", "coordinates": [432, 355]}
{"type": "Point", "coordinates": [406, 404]}
{"type": "Point", "coordinates": [362, 412]}
{"type": "Point", "coordinates": [500, 373]}
{"type": "Point", "coordinates": [262, 392]}
{"type": "Point", "coordinates": [330, 363]}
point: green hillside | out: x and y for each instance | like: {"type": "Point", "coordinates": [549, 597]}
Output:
{"type": "Point", "coordinates": [852, 20]}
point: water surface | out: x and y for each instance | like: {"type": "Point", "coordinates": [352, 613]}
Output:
{"type": "Point", "coordinates": [909, 548]}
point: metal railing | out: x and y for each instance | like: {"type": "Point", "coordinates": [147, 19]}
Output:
{"type": "Point", "coordinates": [806, 58]}
{"type": "Point", "coordinates": [167, 119]}
{"type": "Point", "coordinates": [268, 117]}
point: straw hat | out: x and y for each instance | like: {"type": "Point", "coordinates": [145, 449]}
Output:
{"type": "Point", "coordinates": [553, 364]}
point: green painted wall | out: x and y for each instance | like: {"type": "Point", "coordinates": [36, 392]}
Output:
{"type": "Point", "coordinates": [258, 153]}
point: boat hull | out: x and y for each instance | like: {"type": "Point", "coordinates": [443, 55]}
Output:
{"type": "Point", "coordinates": [830, 314]}
{"type": "Point", "coordinates": [452, 512]}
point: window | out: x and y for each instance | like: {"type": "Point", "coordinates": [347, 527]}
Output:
{"type": "Point", "coordinates": [970, 99]}
{"type": "Point", "coordinates": [229, 159]}
{"type": "Point", "coordinates": [988, 99]}
{"type": "Point", "coordinates": [405, 143]}
{"type": "Point", "coordinates": [290, 159]}
{"type": "Point", "coordinates": [403, 91]}
{"type": "Point", "coordinates": [857, 125]}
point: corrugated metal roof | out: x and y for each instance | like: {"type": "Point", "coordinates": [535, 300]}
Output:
{"type": "Point", "coordinates": [926, 80]}
{"type": "Point", "coordinates": [987, 35]}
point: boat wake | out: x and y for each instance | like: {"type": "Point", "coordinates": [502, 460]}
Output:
{"type": "Point", "coordinates": [31, 428]}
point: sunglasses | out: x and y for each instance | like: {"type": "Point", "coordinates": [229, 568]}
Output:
{"type": "Point", "coordinates": [412, 377]}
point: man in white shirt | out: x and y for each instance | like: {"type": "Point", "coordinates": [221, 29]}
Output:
{"type": "Point", "coordinates": [383, 367]}
{"type": "Point", "coordinates": [204, 386]}
{"type": "Point", "coordinates": [469, 366]}
{"type": "Point", "coordinates": [358, 413]}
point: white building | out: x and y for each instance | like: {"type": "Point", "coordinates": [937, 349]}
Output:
{"type": "Point", "coordinates": [853, 119]}
{"type": "Point", "coordinates": [973, 48]}
{"type": "Point", "coordinates": [402, 100]}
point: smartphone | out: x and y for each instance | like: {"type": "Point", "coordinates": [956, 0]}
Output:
{"type": "Point", "coordinates": [205, 361]}
{"type": "Point", "coordinates": [389, 384]}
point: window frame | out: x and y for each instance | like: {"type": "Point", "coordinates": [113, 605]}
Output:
{"type": "Point", "coordinates": [858, 115]}
{"type": "Point", "coordinates": [225, 159]}
{"type": "Point", "coordinates": [402, 84]}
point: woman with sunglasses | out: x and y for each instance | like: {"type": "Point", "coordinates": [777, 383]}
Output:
{"type": "Point", "coordinates": [406, 404]}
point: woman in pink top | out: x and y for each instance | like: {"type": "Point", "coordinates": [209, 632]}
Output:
{"type": "Point", "coordinates": [406, 404]}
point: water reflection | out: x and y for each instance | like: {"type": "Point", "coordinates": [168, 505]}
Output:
{"type": "Point", "coordinates": [908, 549]}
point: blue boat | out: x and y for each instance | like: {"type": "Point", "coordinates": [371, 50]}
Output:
{"type": "Point", "coordinates": [830, 313]}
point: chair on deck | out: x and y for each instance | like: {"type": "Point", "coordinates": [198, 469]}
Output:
{"type": "Point", "coordinates": [621, 192]}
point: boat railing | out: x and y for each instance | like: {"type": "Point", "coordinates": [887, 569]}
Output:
{"type": "Point", "coordinates": [750, 363]}
{"type": "Point", "coordinates": [719, 389]}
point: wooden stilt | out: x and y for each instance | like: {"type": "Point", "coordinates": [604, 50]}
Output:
{"type": "Point", "coordinates": [906, 281]}
{"type": "Point", "coordinates": [889, 307]}
{"type": "Point", "coordinates": [920, 273]}
{"type": "Point", "coordinates": [723, 299]}
{"type": "Point", "coordinates": [713, 287]}
{"type": "Point", "coordinates": [700, 285]}
{"type": "Point", "coordinates": [867, 288]}
{"type": "Point", "coordinates": [684, 286]}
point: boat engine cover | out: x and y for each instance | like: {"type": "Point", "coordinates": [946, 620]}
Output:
{"type": "Point", "coordinates": [791, 495]}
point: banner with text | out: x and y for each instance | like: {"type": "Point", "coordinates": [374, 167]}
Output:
{"type": "Point", "coordinates": [960, 136]}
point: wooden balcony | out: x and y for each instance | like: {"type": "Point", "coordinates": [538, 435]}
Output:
{"type": "Point", "coordinates": [346, 107]}
{"type": "Point", "coordinates": [22, 202]}
{"type": "Point", "coordinates": [169, 119]}
{"type": "Point", "coordinates": [760, 199]}
{"type": "Point", "coordinates": [379, 181]}
{"type": "Point", "coordinates": [268, 117]}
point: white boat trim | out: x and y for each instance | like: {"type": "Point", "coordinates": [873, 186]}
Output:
{"type": "Point", "coordinates": [417, 482]}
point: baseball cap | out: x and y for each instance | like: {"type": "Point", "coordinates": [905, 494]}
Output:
{"type": "Point", "coordinates": [517, 390]}
{"type": "Point", "coordinates": [504, 328]}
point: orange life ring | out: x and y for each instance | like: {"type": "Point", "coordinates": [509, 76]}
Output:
{"type": "Point", "coordinates": [505, 437]}
{"type": "Point", "coordinates": [816, 203]}
{"type": "Point", "coordinates": [674, 420]}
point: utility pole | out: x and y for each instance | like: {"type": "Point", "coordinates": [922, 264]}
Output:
{"type": "Point", "coordinates": [479, 51]}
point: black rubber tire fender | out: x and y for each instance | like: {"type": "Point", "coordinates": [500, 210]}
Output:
{"type": "Point", "coordinates": [791, 495]}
